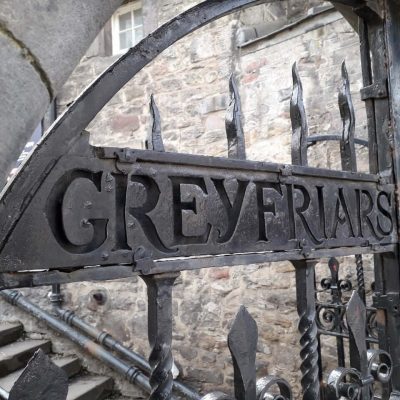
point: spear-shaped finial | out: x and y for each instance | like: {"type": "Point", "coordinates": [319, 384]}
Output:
{"type": "Point", "coordinates": [242, 342]}
{"type": "Point", "coordinates": [298, 117]}
{"type": "Point", "coordinates": [347, 147]}
{"type": "Point", "coordinates": [356, 321]}
{"type": "Point", "coordinates": [155, 141]}
{"type": "Point", "coordinates": [233, 124]}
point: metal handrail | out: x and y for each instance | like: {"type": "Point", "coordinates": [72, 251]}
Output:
{"type": "Point", "coordinates": [131, 373]}
{"type": "Point", "coordinates": [105, 339]}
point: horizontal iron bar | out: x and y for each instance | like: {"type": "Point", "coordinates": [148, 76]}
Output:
{"type": "Point", "coordinates": [132, 374]}
{"type": "Point", "coordinates": [343, 335]}
{"type": "Point", "coordinates": [14, 280]}
{"type": "Point", "coordinates": [130, 156]}
{"type": "Point", "coordinates": [108, 341]}
{"type": "Point", "coordinates": [45, 278]}
{"type": "Point", "coordinates": [229, 260]}
{"type": "Point", "coordinates": [313, 140]}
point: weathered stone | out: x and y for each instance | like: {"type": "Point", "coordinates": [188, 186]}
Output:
{"type": "Point", "coordinates": [125, 123]}
{"type": "Point", "coordinates": [205, 375]}
{"type": "Point", "coordinates": [22, 106]}
{"type": "Point", "coordinates": [56, 46]}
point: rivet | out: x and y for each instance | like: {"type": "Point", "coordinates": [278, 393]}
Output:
{"type": "Point", "coordinates": [85, 223]}
{"type": "Point", "coordinates": [104, 256]}
{"type": "Point", "coordinates": [88, 204]}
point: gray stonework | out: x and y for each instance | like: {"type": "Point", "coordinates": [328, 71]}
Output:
{"type": "Point", "coordinates": [190, 85]}
{"type": "Point", "coordinates": [39, 50]}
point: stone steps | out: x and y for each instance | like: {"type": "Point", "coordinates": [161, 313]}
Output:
{"type": "Point", "coordinates": [16, 352]}
{"type": "Point", "coordinates": [10, 332]}
{"type": "Point", "coordinates": [89, 388]}
{"type": "Point", "coordinates": [15, 355]}
{"type": "Point", "coordinates": [71, 365]}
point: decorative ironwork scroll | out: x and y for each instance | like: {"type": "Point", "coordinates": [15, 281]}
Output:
{"type": "Point", "coordinates": [367, 366]}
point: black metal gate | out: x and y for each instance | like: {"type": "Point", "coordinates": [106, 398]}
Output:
{"type": "Point", "coordinates": [73, 211]}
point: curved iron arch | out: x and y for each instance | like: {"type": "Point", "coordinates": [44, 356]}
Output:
{"type": "Point", "coordinates": [16, 195]}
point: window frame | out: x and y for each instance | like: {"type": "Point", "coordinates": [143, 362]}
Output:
{"type": "Point", "coordinates": [115, 29]}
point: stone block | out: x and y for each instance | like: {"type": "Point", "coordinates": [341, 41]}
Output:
{"type": "Point", "coordinates": [50, 37]}
{"type": "Point", "coordinates": [24, 100]}
{"type": "Point", "coordinates": [125, 123]}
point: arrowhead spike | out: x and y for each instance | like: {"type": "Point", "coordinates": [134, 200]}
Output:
{"type": "Point", "coordinates": [155, 142]}
{"type": "Point", "coordinates": [233, 123]}
{"type": "Point", "coordinates": [356, 321]}
{"type": "Point", "coordinates": [347, 147]}
{"type": "Point", "coordinates": [242, 342]}
{"type": "Point", "coordinates": [334, 266]}
{"type": "Point", "coordinates": [298, 117]}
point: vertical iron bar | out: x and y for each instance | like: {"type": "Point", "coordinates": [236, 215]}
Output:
{"type": "Point", "coordinates": [366, 64]}
{"type": "Point", "coordinates": [306, 308]}
{"type": "Point", "coordinates": [336, 293]}
{"type": "Point", "coordinates": [159, 293]}
{"type": "Point", "coordinates": [386, 68]}
{"type": "Point", "coordinates": [55, 296]}
{"type": "Point", "coordinates": [233, 123]}
{"type": "Point", "coordinates": [347, 147]}
{"type": "Point", "coordinates": [298, 117]}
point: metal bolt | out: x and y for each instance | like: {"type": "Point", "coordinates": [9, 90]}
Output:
{"type": "Point", "coordinates": [109, 177]}
{"type": "Point", "coordinates": [104, 256]}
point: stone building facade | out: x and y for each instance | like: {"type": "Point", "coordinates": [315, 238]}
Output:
{"type": "Point", "coordinates": [189, 82]}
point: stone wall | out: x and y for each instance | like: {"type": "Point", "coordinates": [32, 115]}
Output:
{"type": "Point", "coordinates": [190, 85]}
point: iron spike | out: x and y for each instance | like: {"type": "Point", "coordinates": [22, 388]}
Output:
{"type": "Point", "coordinates": [155, 141]}
{"type": "Point", "coordinates": [356, 321]}
{"type": "Point", "coordinates": [347, 147]}
{"type": "Point", "coordinates": [233, 123]}
{"type": "Point", "coordinates": [298, 117]}
{"type": "Point", "coordinates": [242, 342]}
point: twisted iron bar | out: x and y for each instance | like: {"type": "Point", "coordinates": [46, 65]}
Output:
{"type": "Point", "coordinates": [161, 379]}
{"type": "Point", "coordinates": [306, 308]}
{"type": "Point", "coordinates": [309, 355]}
{"type": "Point", "coordinates": [360, 277]}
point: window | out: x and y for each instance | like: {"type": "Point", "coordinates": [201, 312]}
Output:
{"type": "Point", "coordinates": [127, 27]}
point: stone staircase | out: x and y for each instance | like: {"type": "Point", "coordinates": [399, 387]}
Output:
{"type": "Point", "coordinates": [15, 352]}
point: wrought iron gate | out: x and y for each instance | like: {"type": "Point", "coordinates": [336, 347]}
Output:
{"type": "Point", "coordinates": [73, 205]}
